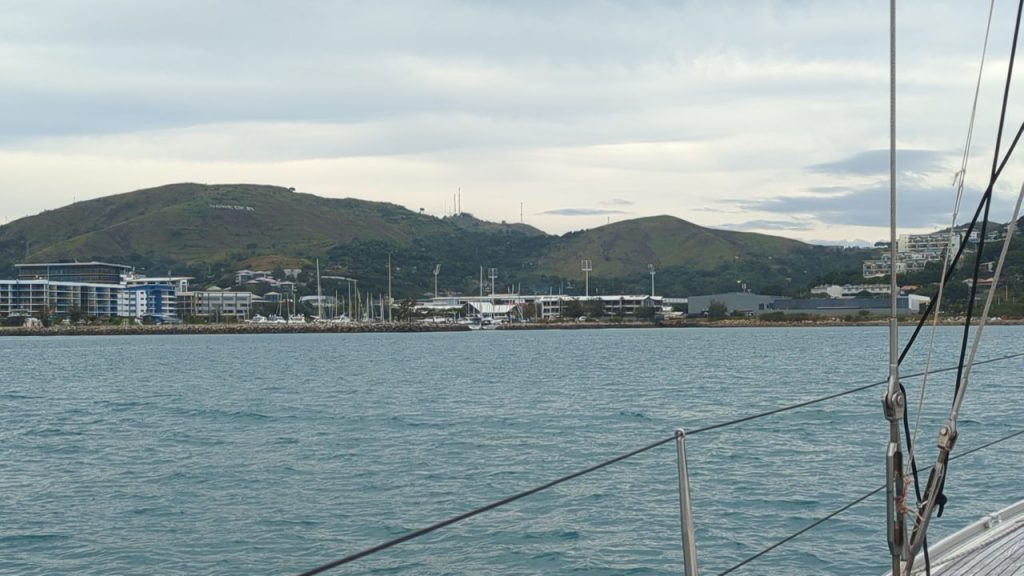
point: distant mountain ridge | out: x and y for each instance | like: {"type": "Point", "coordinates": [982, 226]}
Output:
{"type": "Point", "coordinates": [210, 230]}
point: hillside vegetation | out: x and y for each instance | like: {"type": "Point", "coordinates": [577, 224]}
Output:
{"type": "Point", "coordinates": [208, 231]}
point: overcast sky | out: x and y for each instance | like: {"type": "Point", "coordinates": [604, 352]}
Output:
{"type": "Point", "coordinates": [767, 116]}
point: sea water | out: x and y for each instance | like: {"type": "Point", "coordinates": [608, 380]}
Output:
{"type": "Point", "coordinates": [273, 454]}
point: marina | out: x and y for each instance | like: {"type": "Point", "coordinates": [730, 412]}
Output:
{"type": "Point", "coordinates": [277, 418]}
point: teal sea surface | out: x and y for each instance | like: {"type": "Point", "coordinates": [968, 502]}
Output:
{"type": "Point", "coordinates": [273, 454]}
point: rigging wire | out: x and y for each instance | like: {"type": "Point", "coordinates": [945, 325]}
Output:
{"type": "Point", "coordinates": [960, 251]}
{"type": "Point", "coordinates": [824, 519]}
{"type": "Point", "coordinates": [938, 497]}
{"type": "Point", "coordinates": [1010, 228]}
{"type": "Point", "coordinates": [498, 503]}
{"type": "Point", "coordinates": [958, 184]}
{"type": "Point", "coordinates": [987, 198]}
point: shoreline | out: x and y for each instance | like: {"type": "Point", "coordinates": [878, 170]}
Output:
{"type": "Point", "coordinates": [202, 329]}
{"type": "Point", "coordinates": [207, 329]}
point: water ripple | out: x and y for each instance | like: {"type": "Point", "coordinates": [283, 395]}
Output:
{"type": "Point", "coordinates": [197, 462]}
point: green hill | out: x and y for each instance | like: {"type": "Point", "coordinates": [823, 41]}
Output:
{"type": "Point", "coordinates": [209, 231]}
{"type": "Point", "coordinates": [664, 241]}
{"type": "Point", "coordinates": [694, 259]}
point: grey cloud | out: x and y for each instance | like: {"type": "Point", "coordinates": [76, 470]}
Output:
{"type": "Point", "coordinates": [876, 163]}
{"type": "Point", "coordinates": [581, 212]}
{"type": "Point", "coordinates": [617, 202]}
{"type": "Point", "coordinates": [110, 67]}
{"type": "Point", "coordinates": [918, 206]}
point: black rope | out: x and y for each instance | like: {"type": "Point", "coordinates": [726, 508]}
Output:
{"type": "Point", "coordinates": [821, 521]}
{"type": "Point", "coordinates": [987, 198]}
{"type": "Point", "coordinates": [984, 203]}
{"type": "Point", "coordinates": [941, 498]}
{"type": "Point", "coordinates": [963, 245]}
{"type": "Point", "coordinates": [1006, 87]}
{"type": "Point", "coordinates": [917, 483]}
{"type": "Point", "coordinates": [638, 451]}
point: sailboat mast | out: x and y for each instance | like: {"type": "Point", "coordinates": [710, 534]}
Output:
{"type": "Point", "coordinates": [319, 296]}
{"type": "Point", "coordinates": [894, 403]}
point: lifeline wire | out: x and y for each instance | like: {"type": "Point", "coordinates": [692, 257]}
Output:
{"type": "Point", "coordinates": [491, 506]}
{"type": "Point", "coordinates": [638, 451]}
{"type": "Point", "coordinates": [820, 521]}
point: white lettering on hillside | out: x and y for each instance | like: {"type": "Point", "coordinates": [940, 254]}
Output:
{"type": "Point", "coordinates": [232, 207]}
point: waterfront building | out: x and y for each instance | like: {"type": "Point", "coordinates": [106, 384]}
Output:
{"type": "Point", "coordinates": [89, 289]}
{"type": "Point", "coordinates": [84, 272]}
{"type": "Point", "coordinates": [740, 302]}
{"type": "Point", "coordinates": [850, 290]}
{"type": "Point", "coordinates": [910, 304]}
{"type": "Point", "coordinates": [157, 301]}
{"type": "Point", "coordinates": [214, 303]}
{"type": "Point", "coordinates": [36, 297]}
{"type": "Point", "coordinates": [549, 306]}
{"type": "Point", "coordinates": [158, 295]}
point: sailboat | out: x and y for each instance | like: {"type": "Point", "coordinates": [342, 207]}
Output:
{"type": "Point", "coordinates": [994, 544]}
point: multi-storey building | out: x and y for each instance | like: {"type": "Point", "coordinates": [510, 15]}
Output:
{"type": "Point", "coordinates": [90, 289]}
{"type": "Point", "coordinates": [159, 295]}
{"type": "Point", "coordinates": [934, 244]}
{"type": "Point", "coordinates": [913, 253]}
{"type": "Point", "coordinates": [548, 306]}
{"type": "Point", "coordinates": [217, 304]}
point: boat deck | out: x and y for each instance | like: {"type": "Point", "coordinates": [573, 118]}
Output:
{"type": "Point", "coordinates": [992, 546]}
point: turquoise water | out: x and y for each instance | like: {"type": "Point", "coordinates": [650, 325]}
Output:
{"type": "Point", "coordinates": [270, 454]}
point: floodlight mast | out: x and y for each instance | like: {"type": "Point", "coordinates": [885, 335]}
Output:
{"type": "Point", "coordinates": [587, 266]}
{"type": "Point", "coordinates": [492, 273]}
{"type": "Point", "coordinates": [650, 268]}
{"type": "Point", "coordinates": [437, 270]}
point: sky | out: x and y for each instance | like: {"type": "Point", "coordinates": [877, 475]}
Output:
{"type": "Point", "coordinates": [755, 115]}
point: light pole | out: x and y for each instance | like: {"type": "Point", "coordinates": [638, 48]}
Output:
{"type": "Point", "coordinates": [650, 268]}
{"type": "Point", "coordinates": [437, 270]}
{"type": "Point", "coordinates": [350, 282]}
{"type": "Point", "coordinates": [587, 266]}
{"type": "Point", "coordinates": [492, 273]}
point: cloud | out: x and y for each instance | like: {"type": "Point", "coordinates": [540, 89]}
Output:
{"type": "Point", "coordinates": [617, 202]}
{"type": "Point", "coordinates": [582, 212]}
{"type": "Point", "coordinates": [919, 205]}
{"type": "Point", "coordinates": [639, 108]}
{"type": "Point", "coordinates": [769, 225]}
{"type": "Point", "coordinates": [876, 163]}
